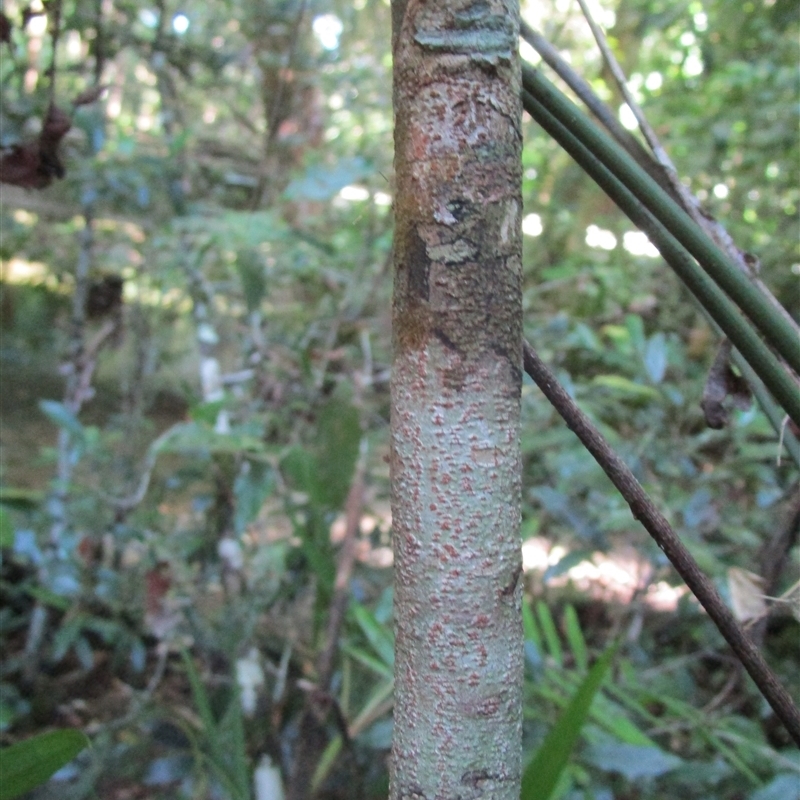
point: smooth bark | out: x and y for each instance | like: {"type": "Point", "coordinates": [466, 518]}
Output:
{"type": "Point", "coordinates": [457, 332]}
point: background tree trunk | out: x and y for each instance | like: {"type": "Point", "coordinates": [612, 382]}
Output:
{"type": "Point", "coordinates": [456, 400]}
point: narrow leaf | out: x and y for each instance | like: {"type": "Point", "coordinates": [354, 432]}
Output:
{"type": "Point", "coordinates": [6, 529]}
{"type": "Point", "coordinates": [577, 643]}
{"type": "Point", "coordinates": [200, 697]}
{"type": "Point", "coordinates": [550, 633]}
{"type": "Point", "coordinates": [21, 499]}
{"type": "Point", "coordinates": [29, 764]}
{"type": "Point", "coordinates": [252, 487]}
{"type": "Point", "coordinates": [530, 628]}
{"type": "Point", "coordinates": [377, 635]}
{"type": "Point", "coordinates": [544, 769]}
{"type": "Point", "coordinates": [62, 416]}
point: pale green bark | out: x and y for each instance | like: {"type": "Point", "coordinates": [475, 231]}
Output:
{"type": "Point", "coordinates": [455, 401]}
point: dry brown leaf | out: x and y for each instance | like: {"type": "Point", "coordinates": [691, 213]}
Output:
{"type": "Point", "coordinates": [723, 388]}
{"type": "Point", "coordinates": [747, 594]}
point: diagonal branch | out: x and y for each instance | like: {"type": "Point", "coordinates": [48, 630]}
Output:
{"type": "Point", "coordinates": [689, 201]}
{"type": "Point", "coordinates": [655, 523]}
{"type": "Point", "coordinates": [778, 332]}
{"type": "Point", "coordinates": [626, 193]}
{"type": "Point", "coordinates": [601, 111]}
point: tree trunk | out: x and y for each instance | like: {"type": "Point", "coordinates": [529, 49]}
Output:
{"type": "Point", "coordinates": [455, 401]}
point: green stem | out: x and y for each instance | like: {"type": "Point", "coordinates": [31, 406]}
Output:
{"type": "Point", "coordinates": [721, 309]}
{"type": "Point", "coordinates": [773, 412]}
{"type": "Point", "coordinates": [776, 329]}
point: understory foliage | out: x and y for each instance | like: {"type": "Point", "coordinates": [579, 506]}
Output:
{"type": "Point", "coordinates": [195, 357]}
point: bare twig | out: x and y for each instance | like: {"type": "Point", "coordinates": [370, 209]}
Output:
{"type": "Point", "coordinates": [81, 363]}
{"type": "Point", "coordinates": [665, 537]}
{"type": "Point", "coordinates": [689, 202]}
{"type": "Point", "coordinates": [142, 697]}
{"type": "Point", "coordinates": [123, 505]}
{"type": "Point", "coordinates": [773, 556]}
{"type": "Point", "coordinates": [621, 81]}
{"type": "Point", "coordinates": [586, 94]}
{"type": "Point", "coordinates": [79, 370]}
{"type": "Point", "coordinates": [54, 15]}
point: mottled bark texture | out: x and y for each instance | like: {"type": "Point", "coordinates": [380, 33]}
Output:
{"type": "Point", "coordinates": [456, 401]}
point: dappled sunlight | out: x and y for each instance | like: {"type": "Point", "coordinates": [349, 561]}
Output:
{"type": "Point", "coordinates": [616, 576]}
{"type": "Point", "coordinates": [328, 28]}
{"type": "Point", "coordinates": [18, 270]}
{"type": "Point", "coordinates": [637, 244]}
{"type": "Point", "coordinates": [532, 225]}
{"type": "Point", "coordinates": [354, 194]}
{"type": "Point", "coordinates": [600, 238]}
{"type": "Point", "coordinates": [372, 548]}
{"type": "Point", "coordinates": [199, 370]}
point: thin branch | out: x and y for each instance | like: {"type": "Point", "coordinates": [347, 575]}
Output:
{"type": "Point", "coordinates": [619, 77]}
{"type": "Point", "coordinates": [773, 411]}
{"type": "Point", "coordinates": [719, 307]}
{"type": "Point", "coordinates": [689, 202]}
{"type": "Point", "coordinates": [778, 332]}
{"type": "Point", "coordinates": [655, 523]}
{"type": "Point", "coordinates": [601, 111]}
{"type": "Point", "coordinates": [53, 11]}
{"type": "Point", "coordinates": [142, 697]}
{"type": "Point", "coordinates": [123, 505]}
{"type": "Point", "coordinates": [774, 555]}
{"type": "Point", "coordinates": [99, 44]}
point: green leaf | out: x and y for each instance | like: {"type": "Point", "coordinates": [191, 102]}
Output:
{"type": "Point", "coordinates": [194, 437]}
{"type": "Point", "coordinates": [177, 144]}
{"type": "Point", "coordinates": [613, 718]}
{"type": "Point", "coordinates": [533, 638]}
{"type": "Point", "coordinates": [29, 764]}
{"type": "Point", "coordinates": [577, 643]}
{"type": "Point", "coordinates": [635, 327]}
{"type": "Point", "coordinates": [624, 386]}
{"type": "Point", "coordinates": [377, 635]}
{"type": "Point", "coordinates": [338, 437]}
{"type": "Point", "coordinates": [326, 473]}
{"type": "Point", "coordinates": [548, 627]}
{"type": "Point", "coordinates": [206, 413]}
{"type": "Point", "coordinates": [68, 635]}
{"type": "Point", "coordinates": [250, 266]}
{"type": "Point", "coordinates": [200, 696]}
{"type": "Point", "coordinates": [63, 417]}
{"type": "Point", "coordinates": [20, 499]}
{"type": "Point", "coordinates": [367, 660]}
{"type": "Point", "coordinates": [544, 770]}
{"type": "Point", "coordinates": [252, 487]}
{"type": "Point", "coordinates": [299, 468]}
{"type": "Point", "coordinates": [530, 628]}
{"type": "Point", "coordinates": [49, 598]}
{"type": "Point", "coordinates": [6, 530]}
